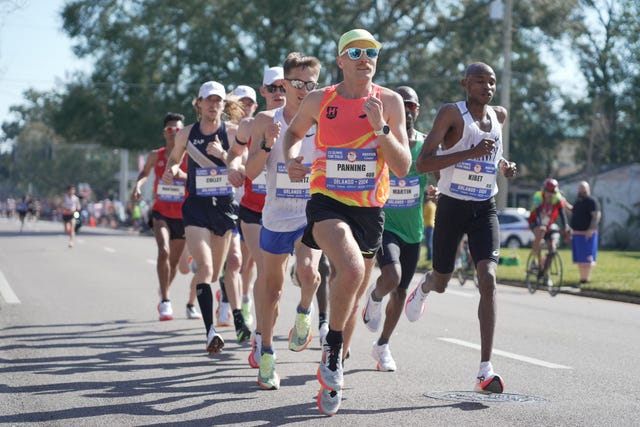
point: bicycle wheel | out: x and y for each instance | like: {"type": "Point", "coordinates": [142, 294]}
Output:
{"type": "Point", "coordinates": [531, 276]}
{"type": "Point", "coordinates": [555, 274]}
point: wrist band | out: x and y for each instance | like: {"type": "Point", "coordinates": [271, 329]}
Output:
{"type": "Point", "coordinates": [240, 142]}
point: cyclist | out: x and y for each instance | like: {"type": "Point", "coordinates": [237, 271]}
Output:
{"type": "Point", "coordinates": [548, 204]}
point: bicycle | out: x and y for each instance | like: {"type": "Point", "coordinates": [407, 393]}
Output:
{"type": "Point", "coordinates": [465, 268]}
{"type": "Point", "coordinates": [552, 270]}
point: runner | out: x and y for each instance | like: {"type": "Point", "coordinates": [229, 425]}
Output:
{"type": "Point", "coordinates": [465, 146]}
{"type": "Point", "coordinates": [166, 214]}
{"type": "Point", "coordinates": [401, 239]}
{"type": "Point", "coordinates": [361, 133]}
{"type": "Point", "coordinates": [283, 219]}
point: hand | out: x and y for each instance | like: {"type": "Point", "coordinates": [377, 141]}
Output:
{"type": "Point", "coordinates": [296, 170]}
{"type": "Point", "coordinates": [508, 168]}
{"type": "Point", "coordinates": [167, 176]}
{"type": "Point", "coordinates": [373, 109]}
{"type": "Point", "coordinates": [484, 148]}
{"type": "Point", "coordinates": [135, 195]}
{"type": "Point", "coordinates": [236, 178]}
{"type": "Point", "coordinates": [433, 193]}
{"type": "Point", "coordinates": [214, 148]}
{"type": "Point", "coordinates": [272, 132]}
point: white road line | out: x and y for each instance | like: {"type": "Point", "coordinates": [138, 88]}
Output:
{"type": "Point", "coordinates": [7, 293]}
{"type": "Point", "coordinates": [108, 249]}
{"type": "Point", "coordinates": [507, 354]}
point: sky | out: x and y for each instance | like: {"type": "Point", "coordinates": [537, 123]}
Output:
{"type": "Point", "coordinates": [34, 50]}
{"type": "Point", "coordinates": [36, 53]}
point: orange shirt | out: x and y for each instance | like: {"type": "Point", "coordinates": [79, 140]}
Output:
{"type": "Point", "coordinates": [348, 164]}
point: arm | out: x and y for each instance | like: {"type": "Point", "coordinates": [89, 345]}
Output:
{"type": "Point", "coordinates": [395, 145]}
{"type": "Point", "coordinates": [306, 117]}
{"type": "Point", "coordinates": [237, 151]}
{"type": "Point", "coordinates": [175, 158]}
{"type": "Point", "coordinates": [152, 158]}
{"type": "Point", "coordinates": [264, 129]}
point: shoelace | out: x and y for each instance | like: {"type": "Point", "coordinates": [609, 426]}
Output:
{"type": "Point", "coordinates": [333, 357]}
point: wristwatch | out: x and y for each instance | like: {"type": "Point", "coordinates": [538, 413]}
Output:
{"type": "Point", "coordinates": [383, 131]}
{"type": "Point", "coordinates": [263, 145]}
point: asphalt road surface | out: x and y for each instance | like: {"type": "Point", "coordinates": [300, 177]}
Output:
{"type": "Point", "coordinates": [81, 344]}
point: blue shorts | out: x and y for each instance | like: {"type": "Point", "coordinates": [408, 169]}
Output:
{"type": "Point", "coordinates": [585, 251]}
{"type": "Point", "coordinates": [276, 242]}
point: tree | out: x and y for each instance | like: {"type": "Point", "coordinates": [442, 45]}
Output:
{"type": "Point", "coordinates": [606, 38]}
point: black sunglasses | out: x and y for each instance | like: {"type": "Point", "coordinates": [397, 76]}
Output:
{"type": "Point", "coordinates": [273, 88]}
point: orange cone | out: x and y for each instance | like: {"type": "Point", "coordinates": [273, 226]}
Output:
{"type": "Point", "coordinates": [92, 221]}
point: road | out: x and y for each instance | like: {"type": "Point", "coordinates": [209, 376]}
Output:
{"type": "Point", "coordinates": [80, 344]}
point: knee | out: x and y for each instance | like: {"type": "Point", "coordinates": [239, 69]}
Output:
{"type": "Point", "coordinates": [234, 261]}
{"type": "Point", "coordinates": [163, 253]}
{"type": "Point", "coordinates": [307, 274]}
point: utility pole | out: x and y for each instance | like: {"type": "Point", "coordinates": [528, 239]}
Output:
{"type": "Point", "coordinates": [503, 10]}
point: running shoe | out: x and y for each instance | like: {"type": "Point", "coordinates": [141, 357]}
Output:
{"type": "Point", "coordinates": [492, 383]}
{"type": "Point", "coordinates": [256, 348]}
{"type": "Point", "coordinates": [414, 308]}
{"type": "Point", "coordinates": [329, 401]}
{"type": "Point", "coordinates": [267, 376]}
{"type": "Point", "coordinates": [382, 355]}
{"type": "Point", "coordinates": [215, 343]}
{"type": "Point", "coordinates": [372, 312]}
{"type": "Point", "coordinates": [243, 334]}
{"type": "Point", "coordinates": [300, 335]}
{"type": "Point", "coordinates": [246, 312]}
{"type": "Point", "coordinates": [224, 315]}
{"type": "Point", "coordinates": [330, 369]}
{"type": "Point", "coordinates": [165, 310]}
{"type": "Point", "coordinates": [192, 312]}
{"type": "Point", "coordinates": [323, 330]}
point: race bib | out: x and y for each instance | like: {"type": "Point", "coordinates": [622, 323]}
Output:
{"type": "Point", "coordinates": [259, 185]}
{"type": "Point", "coordinates": [213, 182]}
{"type": "Point", "coordinates": [351, 169]}
{"type": "Point", "coordinates": [287, 189]}
{"type": "Point", "coordinates": [404, 192]}
{"type": "Point", "coordinates": [171, 192]}
{"type": "Point", "coordinates": [473, 179]}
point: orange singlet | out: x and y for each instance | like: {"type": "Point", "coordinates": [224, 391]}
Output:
{"type": "Point", "coordinates": [348, 164]}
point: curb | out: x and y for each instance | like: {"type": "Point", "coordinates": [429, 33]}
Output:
{"type": "Point", "coordinates": [569, 290]}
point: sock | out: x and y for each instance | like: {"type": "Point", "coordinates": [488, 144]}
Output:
{"type": "Point", "coordinates": [246, 298]}
{"type": "Point", "coordinates": [189, 305]}
{"type": "Point", "coordinates": [302, 310]}
{"type": "Point", "coordinates": [165, 300]}
{"type": "Point", "coordinates": [486, 369]}
{"type": "Point", "coordinates": [373, 296]}
{"type": "Point", "coordinates": [224, 297]}
{"type": "Point", "coordinates": [238, 320]}
{"type": "Point", "coordinates": [334, 338]}
{"type": "Point", "coordinates": [205, 301]}
{"type": "Point", "coordinates": [266, 349]}
{"type": "Point", "coordinates": [382, 340]}
{"type": "Point", "coordinates": [322, 316]}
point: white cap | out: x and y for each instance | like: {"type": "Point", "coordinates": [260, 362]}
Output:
{"type": "Point", "coordinates": [272, 74]}
{"type": "Point", "coordinates": [212, 88]}
{"type": "Point", "coordinates": [245, 92]}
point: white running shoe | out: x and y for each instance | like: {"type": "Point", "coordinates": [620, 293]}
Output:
{"type": "Point", "coordinates": [382, 355]}
{"type": "Point", "coordinates": [372, 312]}
{"type": "Point", "coordinates": [165, 311]}
{"type": "Point", "coordinates": [215, 343]}
{"type": "Point", "coordinates": [192, 312]}
{"type": "Point", "coordinates": [224, 314]}
{"type": "Point", "coordinates": [414, 307]}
